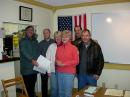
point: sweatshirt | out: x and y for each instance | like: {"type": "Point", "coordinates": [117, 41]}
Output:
{"type": "Point", "coordinates": [69, 56]}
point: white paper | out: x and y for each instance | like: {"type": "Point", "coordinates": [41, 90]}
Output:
{"type": "Point", "coordinates": [88, 95]}
{"type": "Point", "coordinates": [127, 94]}
{"type": "Point", "coordinates": [1, 47]}
{"type": "Point", "coordinates": [43, 65]}
{"type": "Point", "coordinates": [91, 90]}
{"type": "Point", "coordinates": [114, 92]}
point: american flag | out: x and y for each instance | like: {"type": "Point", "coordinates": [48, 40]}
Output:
{"type": "Point", "coordinates": [69, 22]}
{"type": "Point", "coordinates": [65, 23]}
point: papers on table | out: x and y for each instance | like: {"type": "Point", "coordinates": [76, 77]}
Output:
{"type": "Point", "coordinates": [88, 95]}
{"type": "Point", "coordinates": [127, 94]}
{"type": "Point", "coordinates": [43, 65]}
{"type": "Point", "coordinates": [91, 90]}
{"type": "Point", "coordinates": [114, 92]}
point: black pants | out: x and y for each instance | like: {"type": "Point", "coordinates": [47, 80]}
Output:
{"type": "Point", "coordinates": [30, 81]}
{"type": "Point", "coordinates": [44, 87]}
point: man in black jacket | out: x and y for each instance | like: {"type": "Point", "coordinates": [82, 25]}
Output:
{"type": "Point", "coordinates": [91, 61]}
{"type": "Point", "coordinates": [78, 31]}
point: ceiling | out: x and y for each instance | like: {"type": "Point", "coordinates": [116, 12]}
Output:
{"type": "Point", "coordinates": [64, 2]}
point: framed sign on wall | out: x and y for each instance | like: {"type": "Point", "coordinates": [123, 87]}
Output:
{"type": "Point", "coordinates": [25, 13]}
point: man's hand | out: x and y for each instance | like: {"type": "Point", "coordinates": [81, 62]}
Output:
{"type": "Point", "coordinates": [96, 76]}
{"type": "Point", "coordinates": [34, 62]}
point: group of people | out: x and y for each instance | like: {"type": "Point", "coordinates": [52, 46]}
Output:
{"type": "Point", "coordinates": [82, 57]}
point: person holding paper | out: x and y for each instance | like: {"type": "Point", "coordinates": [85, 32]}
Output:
{"type": "Point", "coordinates": [51, 52]}
{"type": "Point", "coordinates": [67, 57]}
{"type": "Point", "coordinates": [28, 56]}
{"type": "Point", "coordinates": [91, 61]}
{"type": "Point", "coordinates": [43, 46]}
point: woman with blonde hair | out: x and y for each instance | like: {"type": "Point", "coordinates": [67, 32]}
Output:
{"type": "Point", "coordinates": [66, 60]}
{"type": "Point", "coordinates": [51, 56]}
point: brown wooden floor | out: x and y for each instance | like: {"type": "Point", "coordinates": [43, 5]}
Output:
{"type": "Point", "coordinates": [74, 90]}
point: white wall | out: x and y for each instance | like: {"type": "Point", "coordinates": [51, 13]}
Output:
{"type": "Point", "coordinates": [111, 78]}
{"type": "Point", "coordinates": [42, 18]}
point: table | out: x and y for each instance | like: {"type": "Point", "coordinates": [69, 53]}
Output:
{"type": "Point", "coordinates": [100, 93]}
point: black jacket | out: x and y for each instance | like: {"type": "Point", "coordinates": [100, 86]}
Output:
{"type": "Point", "coordinates": [91, 58]}
{"type": "Point", "coordinates": [76, 42]}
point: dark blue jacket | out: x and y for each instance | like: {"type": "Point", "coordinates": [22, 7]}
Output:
{"type": "Point", "coordinates": [28, 51]}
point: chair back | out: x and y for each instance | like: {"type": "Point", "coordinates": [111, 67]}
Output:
{"type": "Point", "coordinates": [17, 81]}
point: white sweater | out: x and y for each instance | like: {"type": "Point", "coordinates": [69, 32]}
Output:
{"type": "Point", "coordinates": [50, 54]}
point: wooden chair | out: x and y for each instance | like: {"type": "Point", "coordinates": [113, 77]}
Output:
{"type": "Point", "coordinates": [18, 81]}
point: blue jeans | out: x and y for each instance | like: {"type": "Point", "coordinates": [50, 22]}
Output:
{"type": "Point", "coordinates": [54, 84]}
{"type": "Point", "coordinates": [65, 84]}
{"type": "Point", "coordinates": [85, 80]}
